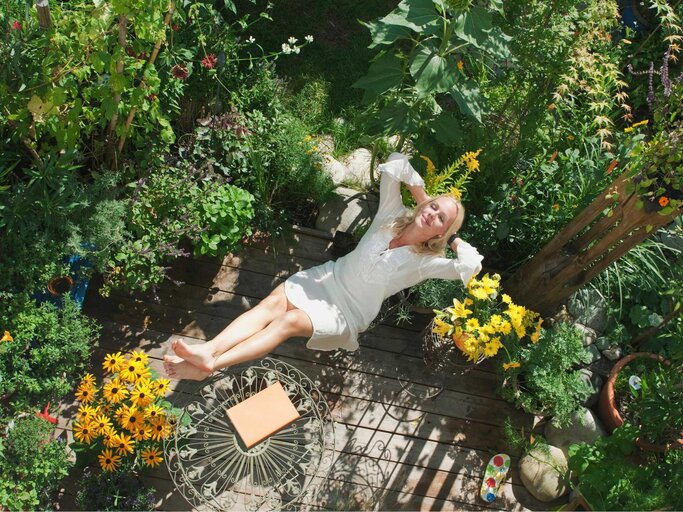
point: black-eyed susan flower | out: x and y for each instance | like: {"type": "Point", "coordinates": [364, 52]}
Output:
{"type": "Point", "coordinates": [153, 411]}
{"type": "Point", "coordinates": [124, 444]}
{"type": "Point", "coordinates": [100, 422]}
{"type": "Point", "coordinates": [141, 396]}
{"type": "Point", "coordinates": [143, 375]}
{"type": "Point", "coordinates": [84, 432]}
{"type": "Point", "coordinates": [141, 433]}
{"type": "Point", "coordinates": [113, 362]}
{"type": "Point", "coordinates": [159, 429]}
{"type": "Point", "coordinates": [160, 386]}
{"type": "Point", "coordinates": [129, 371]}
{"type": "Point", "coordinates": [138, 356]}
{"type": "Point", "coordinates": [86, 413]}
{"type": "Point", "coordinates": [108, 435]}
{"type": "Point", "coordinates": [132, 419]}
{"type": "Point", "coordinates": [88, 380]}
{"type": "Point", "coordinates": [151, 457]}
{"type": "Point", "coordinates": [115, 391]}
{"type": "Point", "coordinates": [86, 394]}
{"type": "Point", "coordinates": [108, 460]}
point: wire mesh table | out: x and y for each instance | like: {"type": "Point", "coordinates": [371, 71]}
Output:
{"type": "Point", "coordinates": [211, 467]}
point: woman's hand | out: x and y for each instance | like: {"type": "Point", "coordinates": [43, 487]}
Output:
{"type": "Point", "coordinates": [418, 193]}
{"type": "Point", "coordinates": [454, 241]}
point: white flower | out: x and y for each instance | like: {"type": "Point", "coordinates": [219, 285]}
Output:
{"type": "Point", "coordinates": [292, 40]}
{"type": "Point", "coordinates": [296, 49]}
{"type": "Point", "coordinates": [286, 49]}
{"type": "Point", "coordinates": [251, 39]}
{"type": "Point", "coordinates": [309, 38]}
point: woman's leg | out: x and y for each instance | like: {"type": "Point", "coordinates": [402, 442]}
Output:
{"type": "Point", "coordinates": [290, 324]}
{"type": "Point", "coordinates": [248, 323]}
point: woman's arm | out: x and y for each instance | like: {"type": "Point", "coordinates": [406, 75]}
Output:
{"type": "Point", "coordinates": [418, 193]}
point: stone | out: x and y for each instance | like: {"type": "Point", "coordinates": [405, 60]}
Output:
{"type": "Point", "coordinates": [613, 353]}
{"type": "Point", "coordinates": [601, 367]}
{"type": "Point", "coordinates": [594, 382]}
{"type": "Point", "coordinates": [349, 211]}
{"type": "Point", "coordinates": [589, 308]}
{"type": "Point", "coordinates": [543, 472]}
{"type": "Point", "coordinates": [358, 167]}
{"type": "Point", "coordinates": [594, 353]}
{"type": "Point", "coordinates": [584, 427]}
{"type": "Point", "coordinates": [589, 335]}
{"type": "Point", "coordinates": [325, 144]}
{"type": "Point", "coordinates": [335, 169]}
{"type": "Point", "coordinates": [602, 343]}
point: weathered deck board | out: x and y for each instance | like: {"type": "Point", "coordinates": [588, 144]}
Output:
{"type": "Point", "coordinates": [408, 453]}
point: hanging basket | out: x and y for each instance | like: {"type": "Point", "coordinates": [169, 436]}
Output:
{"type": "Point", "coordinates": [442, 354]}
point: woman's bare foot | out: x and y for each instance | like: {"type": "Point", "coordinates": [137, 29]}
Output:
{"type": "Point", "coordinates": [178, 368]}
{"type": "Point", "coordinates": [200, 356]}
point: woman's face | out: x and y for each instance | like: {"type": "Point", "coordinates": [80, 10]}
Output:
{"type": "Point", "coordinates": [436, 217]}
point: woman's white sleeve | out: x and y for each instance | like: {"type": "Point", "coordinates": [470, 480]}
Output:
{"type": "Point", "coordinates": [464, 266]}
{"type": "Point", "coordinates": [395, 170]}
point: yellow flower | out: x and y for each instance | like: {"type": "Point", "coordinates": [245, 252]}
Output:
{"type": "Point", "coordinates": [131, 419]}
{"type": "Point", "coordinates": [472, 324]}
{"type": "Point", "coordinates": [455, 193]}
{"type": "Point", "coordinates": [556, 207]}
{"type": "Point", "coordinates": [84, 432]}
{"type": "Point", "coordinates": [87, 413]}
{"type": "Point", "coordinates": [123, 444]}
{"type": "Point", "coordinates": [431, 168]}
{"type": "Point", "coordinates": [514, 364]}
{"type": "Point", "coordinates": [160, 429]}
{"type": "Point", "coordinates": [141, 396]}
{"type": "Point", "coordinates": [490, 349]}
{"type": "Point", "coordinates": [88, 380]}
{"type": "Point", "coordinates": [143, 374]}
{"type": "Point", "coordinates": [153, 412]}
{"type": "Point", "coordinates": [113, 362]}
{"type": "Point", "coordinates": [307, 138]}
{"type": "Point", "coordinates": [488, 329]}
{"type": "Point", "coordinates": [109, 437]}
{"type": "Point", "coordinates": [460, 65]}
{"type": "Point", "coordinates": [505, 328]}
{"type": "Point", "coordinates": [440, 327]}
{"type": "Point", "coordinates": [138, 356]}
{"type": "Point", "coordinates": [108, 460]}
{"type": "Point", "coordinates": [141, 433]}
{"type": "Point", "coordinates": [537, 333]}
{"type": "Point", "coordinates": [7, 337]}
{"type": "Point", "coordinates": [151, 457]}
{"type": "Point", "coordinates": [129, 371]}
{"type": "Point", "coordinates": [459, 310]}
{"type": "Point", "coordinates": [115, 391]}
{"type": "Point", "coordinates": [570, 137]}
{"type": "Point", "coordinates": [507, 299]}
{"type": "Point", "coordinates": [86, 394]}
{"type": "Point", "coordinates": [160, 386]}
{"type": "Point", "coordinates": [495, 321]}
{"type": "Point", "coordinates": [100, 423]}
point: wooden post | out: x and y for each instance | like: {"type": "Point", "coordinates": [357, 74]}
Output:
{"type": "Point", "coordinates": [603, 232]}
{"type": "Point", "coordinates": [43, 10]}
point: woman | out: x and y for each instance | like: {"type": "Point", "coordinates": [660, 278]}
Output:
{"type": "Point", "coordinates": [334, 302]}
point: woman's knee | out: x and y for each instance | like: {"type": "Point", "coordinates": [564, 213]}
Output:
{"type": "Point", "coordinates": [295, 322]}
{"type": "Point", "coordinates": [276, 300]}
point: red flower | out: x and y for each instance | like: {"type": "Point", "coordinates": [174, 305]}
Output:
{"type": "Point", "coordinates": [152, 97]}
{"type": "Point", "coordinates": [209, 62]}
{"type": "Point", "coordinates": [663, 201]}
{"type": "Point", "coordinates": [175, 27]}
{"type": "Point", "coordinates": [179, 72]}
{"type": "Point", "coordinates": [16, 25]}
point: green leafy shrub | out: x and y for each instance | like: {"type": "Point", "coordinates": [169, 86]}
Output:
{"type": "Point", "coordinates": [543, 378]}
{"type": "Point", "coordinates": [612, 476]}
{"type": "Point", "coordinates": [118, 490]}
{"type": "Point", "coordinates": [31, 464]}
{"type": "Point", "coordinates": [51, 348]}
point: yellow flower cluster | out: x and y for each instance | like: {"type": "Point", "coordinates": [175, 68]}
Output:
{"type": "Point", "coordinates": [480, 324]}
{"type": "Point", "coordinates": [126, 414]}
{"type": "Point", "coordinates": [636, 125]}
{"type": "Point", "coordinates": [6, 337]}
{"type": "Point", "coordinates": [445, 182]}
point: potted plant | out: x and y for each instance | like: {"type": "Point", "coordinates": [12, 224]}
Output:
{"type": "Point", "coordinates": [648, 390]}
{"type": "Point", "coordinates": [543, 378]}
{"type": "Point", "coordinates": [478, 325]}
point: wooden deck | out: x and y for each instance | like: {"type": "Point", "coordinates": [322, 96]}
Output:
{"type": "Point", "coordinates": [393, 451]}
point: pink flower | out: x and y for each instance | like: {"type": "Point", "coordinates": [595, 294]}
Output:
{"type": "Point", "coordinates": [16, 25]}
{"type": "Point", "coordinates": [179, 72]}
{"type": "Point", "coordinates": [209, 62]}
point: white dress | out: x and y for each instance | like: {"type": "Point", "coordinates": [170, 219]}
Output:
{"type": "Point", "coordinates": [342, 297]}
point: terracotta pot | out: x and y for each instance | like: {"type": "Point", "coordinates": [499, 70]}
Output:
{"type": "Point", "coordinates": [607, 409]}
{"type": "Point", "coordinates": [60, 285]}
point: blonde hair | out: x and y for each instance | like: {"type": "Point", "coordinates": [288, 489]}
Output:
{"type": "Point", "coordinates": [435, 245]}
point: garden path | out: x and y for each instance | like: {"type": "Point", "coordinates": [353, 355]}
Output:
{"type": "Point", "coordinates": [392, 450]}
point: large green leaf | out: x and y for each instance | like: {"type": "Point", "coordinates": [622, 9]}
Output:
{"type": "Point", "coordinates": [385, 73]}
{"type": "Point", "coordinates": [446, 128]}
{"type": "Point", "coordinates": [386, 34]}
{"type": "Point", "coordinates": [473, 26]}
{"type": "Point", "coordinates": [432, 72]}
{"type": "Point", "coordinates": [496, 44]}
{"type": "Point", "coordinates": [466, 95]}
{"type": "Point", "coordinates": [395, 118]}
{"type": "Point", "coordinates": [421, 12]}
